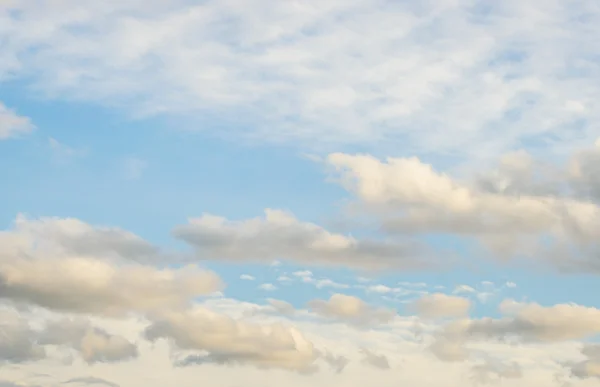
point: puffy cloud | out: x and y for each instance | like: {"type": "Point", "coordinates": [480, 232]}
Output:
{"type": "Point", "coordinates": [419, 200]}
{"type": "Point", "coordinates": [229, 341]}
{"type": "Point", "coordinates": [247, 277]}
{"type": "Point", "coordinates": [440, 305]}
{"type": "Point", "coordinates": [374, 360]}
{"type": "Point", "coordinates": [281, 235]}
{"type": "Point", "coordinates": [12, 124]}
{"type": "Point", "coordinates": [49, 263]}
{"type": "Point", "coordinates": [351, 310]}
{"type": "Point", "coordinates": [522, 322]}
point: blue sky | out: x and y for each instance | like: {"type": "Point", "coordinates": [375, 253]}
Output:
{"type": "Point", "coordinates": [458, 134]}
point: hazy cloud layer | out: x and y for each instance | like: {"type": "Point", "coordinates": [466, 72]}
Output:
{"type": "Point", "coordinates": [368, 71]}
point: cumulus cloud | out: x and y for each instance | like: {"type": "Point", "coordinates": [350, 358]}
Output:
{"type": "Point", "coordinates": [522, 322]}
{"type": "Point", "coordinates": [439, 305]}
{"type": "Point", "coordinates": [419, 200]}
{"type": "Point", "coordinates": [12, 124]}
{"type": "Point", "coordinates": [352, 310]}
{"type": "Point", "coordinates": [228, 341]}
{"type": "Point", "coordinates": [67, 265]}
{"type": "Point", "coordinates": [280, 235]}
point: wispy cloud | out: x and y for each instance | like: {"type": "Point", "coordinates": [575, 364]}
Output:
{"type": "Point", "coordinates": [443, 76]}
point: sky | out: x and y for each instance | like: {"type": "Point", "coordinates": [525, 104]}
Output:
{"type": "Point", "coordinates": [299, 193]}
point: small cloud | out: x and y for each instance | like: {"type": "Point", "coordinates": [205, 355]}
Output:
{"type": "Point", "coordinates": [247, 277]}
{"type": "Point", "coordinates": [327, 283]}
{"type": "Point", "coordinates": [303, 273]}
{"type": "Point", "coordinates": [133, 168]}
{"type": "Point", "coordinates": [510, 284]}
{"type": "Point", "coordinates": [268, 287]}
{"type": "Point", "coordinates": [463, 289]}
{"type": "Point", "coordinates": [284, 278]}
{"type": "Point", "coordinates": [63, 153]}
{"type": "Point", "coordinates": [13, 125]}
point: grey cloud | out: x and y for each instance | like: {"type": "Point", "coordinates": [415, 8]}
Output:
{"type": "Point", "coordinates": [90, 381]}
{"type": "Point", "coordinates": [337, 363]}
{"type": "Point", "coordinates": [93, 344]}
{"type": "Point", "coordinates": [374, 360]}
{"type": "Point", "coordinates": [521, 323]}
{"type": "Point", "coordinates": [279, 235]}
{"type": "Point", "coordinates": [17, 339]}
{"type": "Point", "coordinates": [491, 370]}
{"type": "Point", "coordinates": [590, 367]}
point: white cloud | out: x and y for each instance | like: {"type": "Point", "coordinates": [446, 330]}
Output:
{"type": "Point", "coordinates": [247, 277]}
{"type": "Point", "coordinates": [268, 287]}
{"type": "Point", "coordinates": [280, 235]}
{"type": "Point", "coordinates": [367, 71]}
{"type": "Point", "coordinates": [410, 197]}
{"type": "Point", "coordinates": [12, 124]}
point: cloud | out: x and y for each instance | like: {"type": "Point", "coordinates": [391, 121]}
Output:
{"type": "Point", "coordinates": [11, 124]}
{"type": "Point", "coordinates": [589, 368]}
{"type": "Point", "coordinates": [133, 168]}
{"type": "Point", "coordinates": [337, 363]}
{"type": "Point", "coordinates": [367, 71]}
{"type": "Point", "coordinates": [247, 277]}
{"type": "Point", "coordinates": [17, 344]}
{"type": "Point", "coordinates": [410, 197]}
{"type": "Point", "coordinates": [90, 381]}
{"type": "Point", "coordinates": [267, 287]}
{"type": "Point", "coordinates": [94, 344]}
{"type": "Point", "coordinates": [522, 322]}
{"type": "Point", "coordinates": [351, 310]}
{"type": "Point", "coordinates": [374, 360]}
{"type": "Point", "coordinates": [63, 153]}
{"type": "Point", "coordinates": [439, 305]}
{"type": "Point", "coordinates": [229, 341]}
{"type": "Point", "coordinates": [65, 264]}
{"type": "Point", "coordinates": [280, 235]}
{"type": "Point", "coordinates": [490, 369]}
